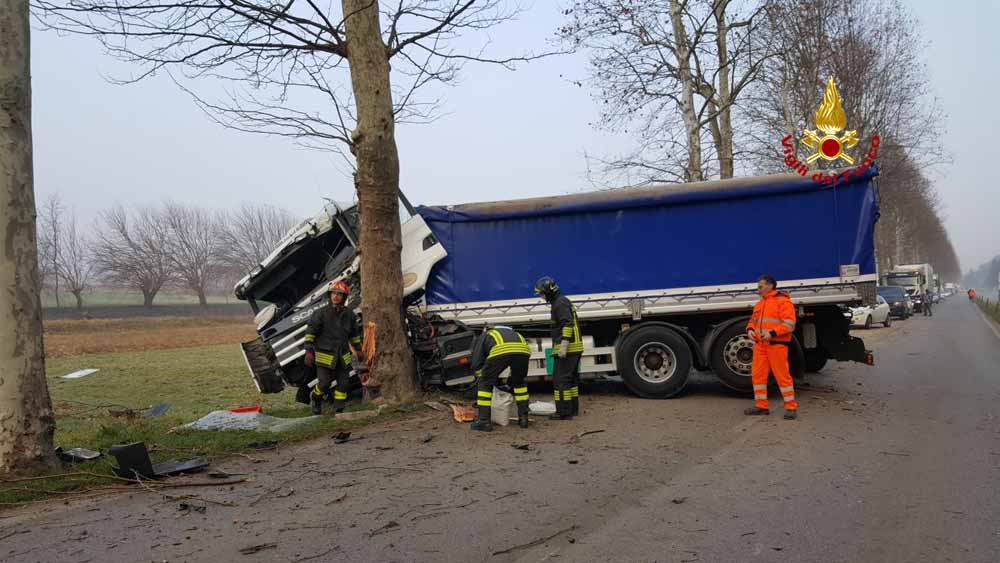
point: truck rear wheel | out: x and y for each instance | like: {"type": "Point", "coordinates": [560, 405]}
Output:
{"type": "Point", "coordinates": [815, 360]}
{"type": "Point", "coordinates": [732, 358]}
{"type": "Point", "coordinates": [654, 362]}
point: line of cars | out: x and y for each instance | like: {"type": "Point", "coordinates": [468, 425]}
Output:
{"type": "Point", "coordinates": [892, 302]}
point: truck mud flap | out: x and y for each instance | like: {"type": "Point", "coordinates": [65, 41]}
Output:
{"type": "Point", "coordinates": [263, 366]}
{"type": "Point", "coordinates": [851, 349]}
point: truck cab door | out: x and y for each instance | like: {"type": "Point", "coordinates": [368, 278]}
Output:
{"type": "Point", "coordinates": [421, 249]}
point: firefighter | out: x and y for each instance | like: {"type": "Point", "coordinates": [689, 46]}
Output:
{"type": "Point", "coordinates": [495, 350]}
{"type": "Point", "coordinates": [771, 326]}
{"type": "Point", "coordinates": [332, 336]}
{"type": "Point", "coordinates": [567, 347]}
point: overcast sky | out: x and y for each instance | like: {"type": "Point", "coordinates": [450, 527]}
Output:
{"type": "Point", "coordinates": [505, 134]}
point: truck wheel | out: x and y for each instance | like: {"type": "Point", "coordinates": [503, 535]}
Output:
{"type": "Point", "coordinates": [732, 358]}
{"type": "Point", "coordinates": [888, 321]}
{"type": "Point", "coordinates": [868, 322]}
{"type": "Point", "coordinates": [815, 360]}
{"type": "Point", "coordinates": [654, 362]}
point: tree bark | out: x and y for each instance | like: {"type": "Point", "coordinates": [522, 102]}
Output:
{"type": "Point", "coordinates": [79, 299]}
{"type": "Point", "coordinates": [377, 183]}
{"type": "Point", "coordinates": [147, 298]}
{"type": "Point", "coordinates": [26, 419]}
{"type": "Point", "coordinates": [202, 300]}
{"type": "Point", "coordinates": [725, 143]}
{"type": "Point", "coordinates": [682, 52]}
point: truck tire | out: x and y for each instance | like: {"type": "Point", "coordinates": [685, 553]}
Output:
{"type": "Point", "coordinates": [732, 357]}
{"type": "Point", "coordinates": [654, 362]}
{"type": "Point", "coordinates": [815, 360]}
{"type": "Point", "coordinates": [868, 322]}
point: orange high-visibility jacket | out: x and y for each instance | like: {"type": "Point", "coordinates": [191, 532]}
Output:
{"type": "Point", "coordinates": [774, 312]}
{"type": "Point", "coordinates": [972, 293]}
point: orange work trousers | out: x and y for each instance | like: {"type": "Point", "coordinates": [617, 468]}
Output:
{"type": "Point", "coordinates": [767, 359]}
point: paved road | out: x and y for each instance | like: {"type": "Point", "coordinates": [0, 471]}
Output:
{"type": "Point", "coordinates": [900, 462]}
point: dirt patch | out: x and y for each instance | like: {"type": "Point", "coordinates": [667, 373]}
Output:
{"type": "Point", "coordinates": [99, 336]}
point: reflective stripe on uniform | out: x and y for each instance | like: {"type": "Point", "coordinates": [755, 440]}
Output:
{"type": "Point", "coordinates": [324, 359]}
{"type": "Point", "coordinates": [484, 398]}
{"type": "Point", "coordinates": [789, 324]}
{"type": "Point", "coordinates": [347, 359]}
{"type": "Point", "coordinates": [310, 338]}
{"type": "Point", "coordinates": [567, 332]}
{"type": "Point", "coordinates": [317, 392]}
{"type": "Point", "coordinates": [520, 393]}
{"type": "Point", "coordinates": [356, 340]}
{"type": "Point", "coordinates": [760, 387]}
{"type": "Point", "coordinates": [339, 395]}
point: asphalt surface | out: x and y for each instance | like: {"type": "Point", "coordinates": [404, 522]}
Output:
{"type": "Point", "coordinates": [897, 462]}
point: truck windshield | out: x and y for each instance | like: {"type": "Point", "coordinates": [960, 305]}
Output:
{"type": "Point", "coordinates": [904, 279]}
{"type": "Point", "coordinates": [891, 292]}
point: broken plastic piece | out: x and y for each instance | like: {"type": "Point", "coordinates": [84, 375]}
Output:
{"type": "Point", "coordinates": [542, 407]}
{"type": "Point", "coordinates": [227, 420]}
{"type": "Point", "coordinates": [156, 410]}
{"type": "Point", "coordinates": [246, 409]}
{"type": "Point", "coordinates": [77, 455]}
{"type": "Point", "coordinates": [463, 413]}
{"type": "Point", "coordinates": [79, 373]}
{"type": "Point", "coordinates": [133, 461]}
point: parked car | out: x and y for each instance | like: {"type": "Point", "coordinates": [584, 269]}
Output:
{"type": "Point", "coordinates": [867, 316]}
{"type": "Point", "coordinates": [900, 304]}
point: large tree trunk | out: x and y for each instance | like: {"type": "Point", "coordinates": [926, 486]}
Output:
{"type": "Point", "coordinates": [79, 299]}
{"type": "Point", "coordinates": [202, 299]}
{"type": "Point", "coordinates": [26, 419]}
{"type": "Point", "coordinates": [377, 182]}
{"type": "Point", "coordinates": [147, 297]}
{"type": "Point", "coordinates": [724, 145]}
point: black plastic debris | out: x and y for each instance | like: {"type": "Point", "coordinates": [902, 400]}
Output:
{"type": "Point", "coordinates": [341, 437]}
{"type": "Point", "coordinates": [524, 447]}
{"type": "Point", "coordinates": [133, 461]}
{"type": "Point", "coordinates": [77, 455]}
{"type": "Point", "coordinates": [263, 445]}
{"type": "Point", "coordinates": [188, 507]}
{"type": "Point", "coordinates": [156, 410]}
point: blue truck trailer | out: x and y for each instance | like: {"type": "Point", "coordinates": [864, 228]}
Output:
{"type": "Point", "coordinates": [663, 278]}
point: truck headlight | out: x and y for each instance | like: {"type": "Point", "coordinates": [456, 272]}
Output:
{"type": "Point", "coordinates": [265, 316]}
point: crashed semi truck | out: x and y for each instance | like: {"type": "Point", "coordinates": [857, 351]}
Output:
{"type": "Point", "coordinates": [663, 278]}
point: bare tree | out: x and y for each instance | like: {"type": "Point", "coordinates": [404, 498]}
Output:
{"type": "Point", "coordinates": [76, 267]}
{"type": "Point", "coordinates": [287, 64]}
{"type": "Point", "coordinates": [50, 226]}
{"type": "Point", "coordinates": [670, 73]}
{"type": "Point", "coordinates": [248, 234]}
{"type": "Point", "coordinates": [26, 420]}
{"type": "Point", "coordinates": [131, 249]}
{"type": "Point", "coordinates": [191, 247]}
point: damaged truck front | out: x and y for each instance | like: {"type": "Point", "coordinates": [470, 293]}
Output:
{"type": "Point", "coordinates": [290, 284]}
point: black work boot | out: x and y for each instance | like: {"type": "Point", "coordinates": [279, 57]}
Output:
{"type": "Point", "coordinates": [791, 415]}
{"type": "Point", "coordinates": [564, 411]}
{"type": "Point", "coordinates": [483, 423]}
{"type": "Point", "coordinates": [522, 414]}
{"type": "Point", "coordinates": [756, 411]}
{"type": "Point", "coordinates": [575, 406]}
{"type": "Point", "coordinates": [317, 404]}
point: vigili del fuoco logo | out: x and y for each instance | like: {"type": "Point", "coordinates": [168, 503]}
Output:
{"type": "Point", "coordinates": [828, 143]}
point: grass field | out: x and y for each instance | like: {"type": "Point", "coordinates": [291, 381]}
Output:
{"type": "Point", "coordinates": [110, 297]}
{"type": "Point", "coordinates": [991, 308]}
{"type": "Point", "coordinates": [198, 369]}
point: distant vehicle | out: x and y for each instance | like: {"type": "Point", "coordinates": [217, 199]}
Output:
{"type": "Point", "coordinates": [915, 279]}
{"type": "Point", "coordinates": [867, 316]}
{"type": "Point", "coordinates": [900, 305]}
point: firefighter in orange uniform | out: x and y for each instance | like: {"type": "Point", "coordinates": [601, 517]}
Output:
{"type": "Point", "coordinates": [771, 327]}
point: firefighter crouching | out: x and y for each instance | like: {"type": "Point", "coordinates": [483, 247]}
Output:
{"type": "Point", "coordinates": [771, 326]}
{"type": "Point", "coordinates": [567, 347]}
{"type": "Point", "coordinates": [495, 350]}
{"type": "Point", "coordinates": [332, 336]}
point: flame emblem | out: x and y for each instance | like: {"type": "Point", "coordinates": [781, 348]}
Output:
{"type": "Point", "coordinates": [830, 119]}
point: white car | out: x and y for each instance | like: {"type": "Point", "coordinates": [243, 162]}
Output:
{"type": "Point", "coordinates": [867, 316]}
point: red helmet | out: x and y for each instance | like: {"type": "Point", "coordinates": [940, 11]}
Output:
{"type": "Point", "coordinates": [340, 286]}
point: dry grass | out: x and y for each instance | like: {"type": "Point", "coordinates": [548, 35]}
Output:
{"type": "Point", "coordinates": [65, 338]}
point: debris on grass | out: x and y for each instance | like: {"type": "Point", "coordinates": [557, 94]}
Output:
{"type": "Point", "coordinates": [156, 411]}
{"type": "Point", "coordinates": [427, 438]}
{"type": "Point", "coordinates": [133, 461]}
{"type": "Point", "coordinates": [77, 455]}
{"type": "Point", "coordinates": [251, 420]}
{"type": "Point", "coordinates": [341, 437]}
{"type": "Point", "coordinates": [263, 445]}
{"type": "Point", "coordinates": [79, 373]}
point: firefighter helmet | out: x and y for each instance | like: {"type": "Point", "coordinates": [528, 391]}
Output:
{"type": "Point", "coordinates": [546, 286]}
{"type": "Point", "coordinates": [340, 286]}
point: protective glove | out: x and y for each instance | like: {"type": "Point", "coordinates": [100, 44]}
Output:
{"type": "Point", "coordinates": [751, 334]}
{"type": "Point", "coordinates": [563, 349]}
{"type": "Point", "coordinates": [310, 358]}
{"type": "Point", "coordinates": [767, 335]}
